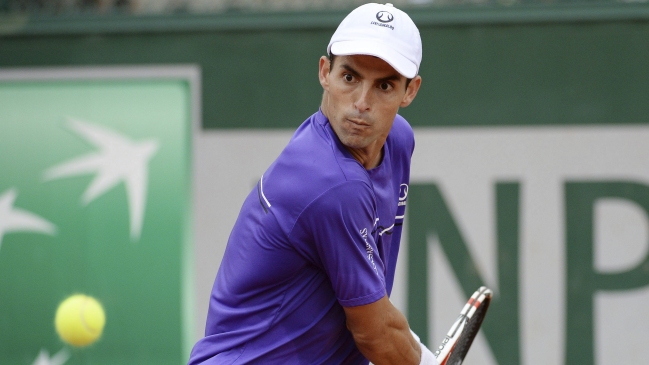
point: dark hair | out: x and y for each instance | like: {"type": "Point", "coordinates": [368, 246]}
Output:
{"type": "Point", "coordinates": [332, 58]}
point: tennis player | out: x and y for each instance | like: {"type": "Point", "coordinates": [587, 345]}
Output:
{"type": "Point", "coordinates": [310, 262]}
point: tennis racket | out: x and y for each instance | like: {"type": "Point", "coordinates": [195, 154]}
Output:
{"type": "Point", "coordinates": [459, 338]}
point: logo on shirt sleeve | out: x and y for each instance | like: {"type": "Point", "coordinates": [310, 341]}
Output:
{"type": "Point", "coordinates": [369, 249]}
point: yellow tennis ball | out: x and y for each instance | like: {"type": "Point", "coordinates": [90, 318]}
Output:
{"type": "Point", "coordinates": [80, 320]}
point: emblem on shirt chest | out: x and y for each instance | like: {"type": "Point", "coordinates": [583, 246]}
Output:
{"type": "Point", "coordinates": [401, 205]}
{"type": "Point", "coordinates": [382, 229]}
{"type": "Point", "coordinates": [403, 194]}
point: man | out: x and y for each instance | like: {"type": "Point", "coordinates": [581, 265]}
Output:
{"type": "Point", "coordinates": [310, 261]}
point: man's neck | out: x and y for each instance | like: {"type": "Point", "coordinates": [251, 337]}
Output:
{"type": "Point", "coordinates": [368, 157]}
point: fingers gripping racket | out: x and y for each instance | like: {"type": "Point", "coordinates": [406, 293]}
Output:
{"type": "Point", "coordinates": [459, 338]}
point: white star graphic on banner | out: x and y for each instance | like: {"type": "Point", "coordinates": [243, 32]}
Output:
{"type": "Point", "coordinates": [118, 159]}
{"type": "Point", "coordinates": [44, 358]}
{"type": "Point", "coordinates": [18, 220]}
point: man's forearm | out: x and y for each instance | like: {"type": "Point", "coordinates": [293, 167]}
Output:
{"type": "Point", "coordinates": [395, 347]}
{"type": "Point", "coordinates": [382, 334]}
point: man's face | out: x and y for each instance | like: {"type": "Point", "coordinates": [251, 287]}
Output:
{"type": "Point", "coordinates": [362, 96]}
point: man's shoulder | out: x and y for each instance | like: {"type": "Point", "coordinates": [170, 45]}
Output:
{"type": "Point", "coordinates": [310, 136]}
{"type": "Point", "coordinates": [310, 165]}
{"type": "Point", "coordinates": [401, 130]}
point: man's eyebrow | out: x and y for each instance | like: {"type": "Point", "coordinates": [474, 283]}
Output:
{"type": "Point", "coordinates": [393, 77]}
{"type": "Point", "coordinates": [350, 69]}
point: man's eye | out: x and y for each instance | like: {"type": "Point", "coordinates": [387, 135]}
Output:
{"type": "Point", "coordinates": [385, 86]}
{"type": "Point", "coordinates": [349, 77]}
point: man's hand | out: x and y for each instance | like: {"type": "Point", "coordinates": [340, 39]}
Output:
{"type": "Point", "coordinates": [382, 334]}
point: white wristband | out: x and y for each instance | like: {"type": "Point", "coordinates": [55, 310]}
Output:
{"type": "Point", "coordinates": [427, 357]}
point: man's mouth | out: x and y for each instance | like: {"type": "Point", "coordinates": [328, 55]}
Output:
{"type": "Point", "coordinates": [358, 122]}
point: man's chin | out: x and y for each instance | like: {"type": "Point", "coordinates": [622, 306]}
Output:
{"type": "Point", "coordinates": [354, 142]}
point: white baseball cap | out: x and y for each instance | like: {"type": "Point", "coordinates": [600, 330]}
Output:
{"type": "Point", "coordinates": [383, 31]}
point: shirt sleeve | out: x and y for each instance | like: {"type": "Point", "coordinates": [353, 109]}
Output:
{"type": "Point", "coordinates": [339, 225]}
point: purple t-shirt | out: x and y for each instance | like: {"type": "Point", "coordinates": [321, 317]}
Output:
{"type": "Point", "coordinates": [318, 233]}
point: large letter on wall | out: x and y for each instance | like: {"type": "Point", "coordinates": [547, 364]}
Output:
{"type": "Point", "coordinates": [583, 280]}
{"type": "Point", "coordinates": [430, 215]}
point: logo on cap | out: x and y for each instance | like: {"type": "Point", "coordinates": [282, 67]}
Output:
{"type": "Point", "coordinates": [384, 16]}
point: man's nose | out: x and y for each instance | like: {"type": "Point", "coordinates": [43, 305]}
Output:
{"type": "Point", "coordinates": [363, 100]}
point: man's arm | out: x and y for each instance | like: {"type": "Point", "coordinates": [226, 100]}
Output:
{"type": "Point", "coordinates": [382, 334]}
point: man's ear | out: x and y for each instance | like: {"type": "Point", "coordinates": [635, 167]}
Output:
{"type": "Point", "coordinates": [411, 91]}
{"type": "Point", "coordinates": [323, 72]}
